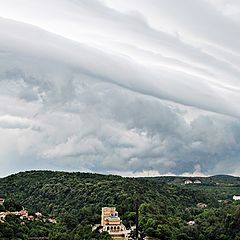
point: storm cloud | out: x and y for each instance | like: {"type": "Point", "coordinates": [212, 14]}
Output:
{"type": "Point", "coordinates": [127, 87]}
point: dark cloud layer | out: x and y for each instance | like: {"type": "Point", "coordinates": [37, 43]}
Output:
{"type": "Point", "coordinates": [116, 87]}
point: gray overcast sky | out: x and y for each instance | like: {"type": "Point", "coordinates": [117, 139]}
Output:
{"type": "Point", "coordinates": [132, 87]}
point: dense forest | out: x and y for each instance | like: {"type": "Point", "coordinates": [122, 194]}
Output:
{"type": "Point", "coordinates": [168, 209]}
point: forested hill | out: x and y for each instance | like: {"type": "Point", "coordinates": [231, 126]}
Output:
{"type": "Point", "coordinates": [166, 204]}
{"type": "Point", "coordinates": [59, 192]}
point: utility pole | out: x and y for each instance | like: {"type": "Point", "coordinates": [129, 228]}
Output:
{"type": "Point", "coordinates": [137, 215]}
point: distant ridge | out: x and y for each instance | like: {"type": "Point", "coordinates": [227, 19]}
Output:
{"type": "Point", "coordinates": [105, 174]}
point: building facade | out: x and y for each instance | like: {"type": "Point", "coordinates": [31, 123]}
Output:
{"type": "Point", "coordinates": [111, 223]}
{"type": "Point", "coordinates": [1, 201]}
{"type": "Point", "coordinates": [236, 198]}
{"type": "Point", "coordinates": [188, 182]}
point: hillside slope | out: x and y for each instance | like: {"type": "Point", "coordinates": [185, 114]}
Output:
{"type": "Point", "coordinates": [60, 192]}
{"type": "Point", "coordinates": [166, 204]}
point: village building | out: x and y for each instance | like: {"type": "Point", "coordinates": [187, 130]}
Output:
{"type": "Point", "coordinates": [38, 214]}
{"type": "Point", "coordinates": [2, 218]}
{"type": "Point", "coordinates": [23, 214]}
{"type": "Point", "coordinates": [52, 220]}
{"type": "Point", "coordinates": [191, 223]}
{"type": "Point", "coordinates": [188, 182]}
{"type": "Point", "coordinates": [112, 223]}
{"type": "Point", "coordinates": [236, 198]}
{"type": "Point", "coordinates": [30, 217]}
{"type": "Point", "coordinates": [1, 201]}
{"type": "Point", "coordinates": [197, 182]}
{"type": "Point", "coordinates": [201, 205]}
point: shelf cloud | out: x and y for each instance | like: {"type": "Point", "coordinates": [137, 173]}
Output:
{"type": "Point", "coordinates": [128, 87]}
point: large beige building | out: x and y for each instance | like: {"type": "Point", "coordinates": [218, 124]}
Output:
{"type": "Point", "coordinates": [112, 224]}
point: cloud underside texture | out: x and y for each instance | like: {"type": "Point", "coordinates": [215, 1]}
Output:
{"type": "Point", "coordinates": [120, 86]}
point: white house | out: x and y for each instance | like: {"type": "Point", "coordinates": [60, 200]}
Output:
{"type": "Point", "coordinates": [191, 223]}
{"type": "Point", "coordinates": [236, 198]}
{"type": "Point", "coordinates": [197, 182]}
{"type": "Point", "coordinates": [188, 182]}
{"type": "Point", "coordinates": [38, 214]}
{"type": "Point", "coordinates": [1, 201]}
{"type": "Point", "coordinates": [201, 205]}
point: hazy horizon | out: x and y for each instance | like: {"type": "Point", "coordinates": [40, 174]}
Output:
{"type": "Point", "coordinates": [125, 175]}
